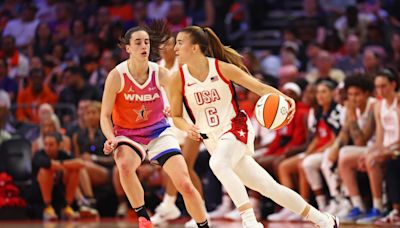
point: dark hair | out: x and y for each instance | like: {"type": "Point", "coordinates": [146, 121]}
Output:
{"type": "Point", "coordinates": [211, 45]}
{"type": "Point", "coordinates": [75, 70]}
{"type": "Point", "coordinates": [390, 74]}
{"type": "Point", "coordinates": [4, 61]}
{"type": "Point", "coordinates": [331, 84]}
{"type": "Point", "coordinates": [55, 135]}
{"type": "Point", "coordinates": [37, 71]}
{"type": "Point", "coordinates": [158, 31]}
{"type": "Point", "coordinates": [360, 81]}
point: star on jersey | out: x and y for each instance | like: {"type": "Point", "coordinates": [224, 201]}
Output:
{"type": "Point", "coordinates": [242, 133]}
{"type": "Point", "coordinates": [142, 113]}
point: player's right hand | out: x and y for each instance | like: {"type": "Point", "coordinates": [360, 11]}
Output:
{"type": "Point", "coordinates": [193, 133]}
{"type": "Point", "coordinates": [110, 145]}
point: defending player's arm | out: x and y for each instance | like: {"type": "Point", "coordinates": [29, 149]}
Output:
{"type": "Point", "coordinates": [174, 93]}
{"type": "Point", "coordinates": [242, 78]}
{"type": "Point", "coordinates": [111, 88]}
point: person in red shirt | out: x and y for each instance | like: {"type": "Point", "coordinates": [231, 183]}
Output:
{"type": "Point", "coordinates": [30, 98]}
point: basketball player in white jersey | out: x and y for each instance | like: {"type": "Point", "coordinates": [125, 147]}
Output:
{"type": "Point", "coordinates": [167, 210]}
{"type": "Point", "coordinates": [387, 117]}
{"type": "Point", "coordinates": [206, 89]}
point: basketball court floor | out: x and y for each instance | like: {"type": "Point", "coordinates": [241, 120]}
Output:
{"type": "Point", "coordinates": [131, 223]}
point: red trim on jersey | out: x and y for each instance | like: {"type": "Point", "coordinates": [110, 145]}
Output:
{"type": "Point", "coordinates": [233, 93]}
{"type": "Point", "coordinates": [184, 98]}
{"type": "Point", "coordinates": [239, 127]}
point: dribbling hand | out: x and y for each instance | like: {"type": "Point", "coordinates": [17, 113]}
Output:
{"type": "Point", "coordinates": [292, 108]}
{"type": "Point", "coordinates": [109, 146]}
{"type": "Point", "coordinates": [193, 133]}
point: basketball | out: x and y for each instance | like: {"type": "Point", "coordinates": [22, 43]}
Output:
{"type": "Point", "coordinates": [272, 111]}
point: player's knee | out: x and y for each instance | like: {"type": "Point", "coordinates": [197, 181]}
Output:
{"type": "Point", "coordinates": [126, 167]}
{"type": "Point", "coordinates": [44, 174]}
{"type": "Point", "coordinates": [217, 166]}
{"type": "Point", "coordinates": [185, 186]}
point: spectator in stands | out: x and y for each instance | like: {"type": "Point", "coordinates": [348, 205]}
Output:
{"type": "Point", "coordinates": [395, 50]}
{"type": "Point", "coordinates": [387, 120]}
{"type": "Point", "coordinates": [18, 65]}
{"type": "Point", "coordinates": [324, 69]}
{"type": "Point", "coordinates": [76, 41]}
{"type": "Point", "coordinates": [60, 27]}
{"type": "Point", "coordinates": [353, 23]}
{"type": "Point", "coordinates": [88, 143]}
{"type": "Point", "coordinates": [33, 96]}
{"type": "Point", "coordinates": [77, 89]}
{"type": "Point", "coordinates": [121, 10]}
{"type": "Point", "coordinates": [310, 60]}
{"type": "Point", "coordinates": [176, 17]}
{"type": "Point", "coordinates": [371, 62]}
{"type": "Point", "coordinates": [356, 133]}
{"type": "Point", "coordinates": [7, 84]}
{"type": "Point", "coordinates": [394, 14]}
{"type": "Point", "coordinates": [53, 169]}
{"type": "Point", "coordinates": [141, 16]}
{"type": "Point", "coordinates": [46, 10]}
{"type": "Point", "coordinates": [23, 28]}
{"type": "Point", "coordinates": [5, 104]}
{"type": "Point", "coordinates": [201, 12]}
{"type": "Point", "coordinates": [42, 43]}
{"type": "Point", "coordinates": [49, 124]}
{"type": "Point", "coordinates": [101, 23]}
{"type": "Point", "coordinates": [79, 123]}
{"type": "Point", "coordinates": [158, 9]}
{"type": "Point", "coordinates": [311, 23]}
{"type": "Point", "coordinates": [352, 61]}
{"type": "Point", "coordinates": [107, 62]}
{"type": "Point", "coordinates": [324, 124]}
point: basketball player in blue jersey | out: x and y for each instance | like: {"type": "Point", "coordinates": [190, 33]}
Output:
{"type": "Point", "coordinates": [208, 94]}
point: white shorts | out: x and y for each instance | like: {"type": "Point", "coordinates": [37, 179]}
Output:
{"type": "Point", "coordinates": [164, 144]}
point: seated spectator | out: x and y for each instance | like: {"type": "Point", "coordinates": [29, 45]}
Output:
{"type": "Point", "coordinates": [324, 69]}
{"type": "Point", "coordinates": [77, 89]}
{"type": "Point", "coordinates": [23, 28]}
{"type": "Point", "coordinates": [7, 83]}
{"type": "Point", "coordinates": [353, 23]}
{"type": "Point", "coordinates": [51, 123]}
{"type": "Point", "coordinates": [324, 122]}
{"type": "Point", "coordinates": [52, 170]}
{"type": "Point", "coordinates": [4, 107]}
{"type": "Point", "coordinates": [18, 65]}
{"type": "Point", "coordinates": [371, 63]}
{"type": "Point", "coordinates": [387, 118]}
{"type": "Point", "coordinates": [356, 133]}
{"type": "Point", "coordinates": [176, 17]}
{"type": "Point", "coordinates": [35, 94]}
{"type": "Point", "coordinates": [121, 10]}
{"type": "Point", "coordinates": [88, 144]}
{"type": "Point", "coordinates": [351, 62]}
{"type": "Point", "coordinates": [158, 9]}
{"type": "Point", "coordinates": [392, 159]}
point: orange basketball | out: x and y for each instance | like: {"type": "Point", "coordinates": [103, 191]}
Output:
{"type": "Point", "coordinates": [272, 111]}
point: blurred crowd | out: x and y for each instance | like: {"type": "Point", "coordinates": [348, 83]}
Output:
{"type": "Point", "coordinates": [339, 59]}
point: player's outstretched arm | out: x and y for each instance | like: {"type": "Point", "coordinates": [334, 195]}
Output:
{"type": "Point", "coordinates": [242, 78]}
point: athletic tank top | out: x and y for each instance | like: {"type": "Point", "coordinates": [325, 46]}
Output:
{"type": "Point", "coordinates": [138, 106]}
{"type": "Point", "coordinates": [390, 122]}
{"type": "Point", "coordinates": [211, 104]}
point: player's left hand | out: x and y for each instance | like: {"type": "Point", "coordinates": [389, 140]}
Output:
{"type": "Point", "coordinates": [292, 108]}
{"type": "Point", "coordinates": [167, 111]}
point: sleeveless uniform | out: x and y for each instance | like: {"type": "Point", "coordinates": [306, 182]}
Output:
{"type": "Point", "coordinates": [390, 122]}
{"type": "Point", "coordinates": [180, 135]}
{"type": "Point", "coordinates": [138, 116]}
{"type": "Point", "coordinates": [212, 106]}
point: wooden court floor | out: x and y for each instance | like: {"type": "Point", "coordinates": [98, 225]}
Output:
{"type": "Point", "coordinates": [131, 223]}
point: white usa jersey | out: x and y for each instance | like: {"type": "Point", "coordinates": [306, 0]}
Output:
{"type": "Point", "coordinates": [390, 122]}
{"type": "Point", "coordinates": [212, 104]}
